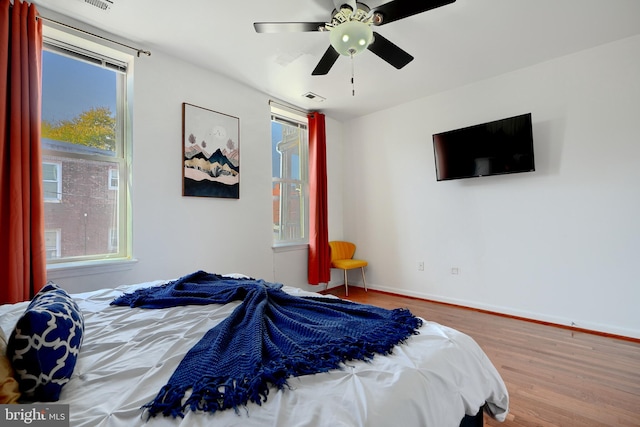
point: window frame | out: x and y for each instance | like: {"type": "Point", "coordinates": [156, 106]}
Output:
{"type": "Point", "coordinates": [291, 118]}
{"type": "Point", "coordinates": [62, 41]}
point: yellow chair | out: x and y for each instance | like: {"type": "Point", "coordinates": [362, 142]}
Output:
{"type": "Point", "coordinates": [342, 258]}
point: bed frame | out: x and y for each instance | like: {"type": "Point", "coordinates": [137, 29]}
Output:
{"type": "Point", "coordinates": [476, 420]}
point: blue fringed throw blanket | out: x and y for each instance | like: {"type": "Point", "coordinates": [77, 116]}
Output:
{"type": "Point", "coordinates": [268, 338]}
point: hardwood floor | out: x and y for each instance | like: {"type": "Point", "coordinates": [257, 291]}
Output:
{"type": "Point", "coordinates": [555, 376]}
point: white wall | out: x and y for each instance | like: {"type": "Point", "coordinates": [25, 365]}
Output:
{"type": "Point", "coordinates": [560, 244]}
{"type": "Point", "coordinates": [175, 235]}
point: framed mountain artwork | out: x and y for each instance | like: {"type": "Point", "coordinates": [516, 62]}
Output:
{"type": "Point", "coordinates": [211, 153]}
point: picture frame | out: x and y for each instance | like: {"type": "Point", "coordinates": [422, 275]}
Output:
{"type": "Point", "coordinates": [210, 152]}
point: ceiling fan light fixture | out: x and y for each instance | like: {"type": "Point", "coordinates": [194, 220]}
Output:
{"type": "Point", "coordinates": [351, 37]}
{"type": "Point", "coordinates": [351, 30]}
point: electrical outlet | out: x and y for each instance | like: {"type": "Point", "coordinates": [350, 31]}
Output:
{"type": "Point", "coordinates": [455, 271]}
{"type": "Point", "coordinates": [420, 265]}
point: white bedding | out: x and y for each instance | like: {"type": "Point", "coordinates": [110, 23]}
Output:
{"type": "Point", "coordinates": [129, 354]}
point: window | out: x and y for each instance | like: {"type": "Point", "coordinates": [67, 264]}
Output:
{"type": "Point", "coordinates": [290, 190]}
{"type": "Point", "coordinates": [85, 150]}
{"type": "Point", "coordinates": [52, 243]}
{"type": "Point", "coordinates": [113, 179]}
{"type": "Point", "coordinates": [52, 181]}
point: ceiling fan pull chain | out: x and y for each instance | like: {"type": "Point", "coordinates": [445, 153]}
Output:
{"type": "Point", "coordinates": [353, 77]}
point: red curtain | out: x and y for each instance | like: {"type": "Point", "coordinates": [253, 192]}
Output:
{"type": "Point", "coordinates": [319, 270]}
{"type": "Point", "coordinates": [22, 250]}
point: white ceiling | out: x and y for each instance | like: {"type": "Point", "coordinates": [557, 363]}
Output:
{"type": "Point", "coordinates": [454, 45]}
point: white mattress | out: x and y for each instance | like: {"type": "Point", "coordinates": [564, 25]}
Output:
{"type": "Point", "coordinates": [434, 379]}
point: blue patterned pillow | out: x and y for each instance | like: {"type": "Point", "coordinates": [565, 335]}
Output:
{"type": "Point", "coordinates": [44, 345]}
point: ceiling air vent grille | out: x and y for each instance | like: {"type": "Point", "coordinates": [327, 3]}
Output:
{"type": "Point", "coordinates": [314, 97]}
{"type": "Point", "coordinates": [101, 4]}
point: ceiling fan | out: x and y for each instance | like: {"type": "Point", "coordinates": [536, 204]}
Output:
{"type": "Point", "coordinates": [351, 29]}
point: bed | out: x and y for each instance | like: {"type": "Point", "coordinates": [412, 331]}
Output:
{"type": "Point", "coordinates": [439, 377]}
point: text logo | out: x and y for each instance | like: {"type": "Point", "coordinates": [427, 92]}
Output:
{"type": "Point", "coordinates": [34, 415]}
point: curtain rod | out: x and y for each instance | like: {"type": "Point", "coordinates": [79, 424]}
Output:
{"type": "Point", "coordinates": [146, 52]}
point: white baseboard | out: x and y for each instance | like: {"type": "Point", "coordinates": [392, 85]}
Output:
{"type": "Point", "coordinates": [540, 317]}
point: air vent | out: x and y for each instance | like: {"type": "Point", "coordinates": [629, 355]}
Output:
{"type": "Point", "coordinates": [314, 97]}
{"type": "Point", "coordinates": [100, 4]}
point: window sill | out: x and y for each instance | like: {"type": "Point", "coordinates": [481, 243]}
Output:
{"type": "Point", "coordinates": [290, 247]}
{"type": "Point", "coordinates": [85, 268]}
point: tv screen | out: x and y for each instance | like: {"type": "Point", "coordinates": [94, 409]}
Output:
{"type": "Point", "coordinates": [494, 148]}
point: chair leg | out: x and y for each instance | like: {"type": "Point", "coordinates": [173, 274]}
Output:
{"type": "Point", "coordinates": [363, 279]}
{"type": "Point", "coordinates": [346, 285]}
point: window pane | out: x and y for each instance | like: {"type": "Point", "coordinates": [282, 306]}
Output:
{"type": "Point", "coordinates": [50, 172]}
{"type": "Point", "coordinates": [51, 191]}
{"type": "Point", "coordinates": [292, 224]}
{"type": "Point", "coordinates": [78, 103]}
{"type": "Point", "coordinates": [288, 211]}
{"type": "Point", "coordinates": [276, 137]}
{"type": "Point", "coordinates": [88, 208]}
{"type": "Point", "coordinates": [276, 210]}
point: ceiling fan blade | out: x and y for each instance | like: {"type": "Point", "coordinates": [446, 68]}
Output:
{"type": "Point", "coordinates": [399, 9]}
{"type": "Point", "coordinates": [287, 27]}
{"type": "Point", "coordinates": [326, 62]}
{"type": "Point", "coordinates": [389, 51]}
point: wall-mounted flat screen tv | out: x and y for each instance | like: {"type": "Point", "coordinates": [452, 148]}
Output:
{"type": "Point", "coordinates": [493, 148]}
